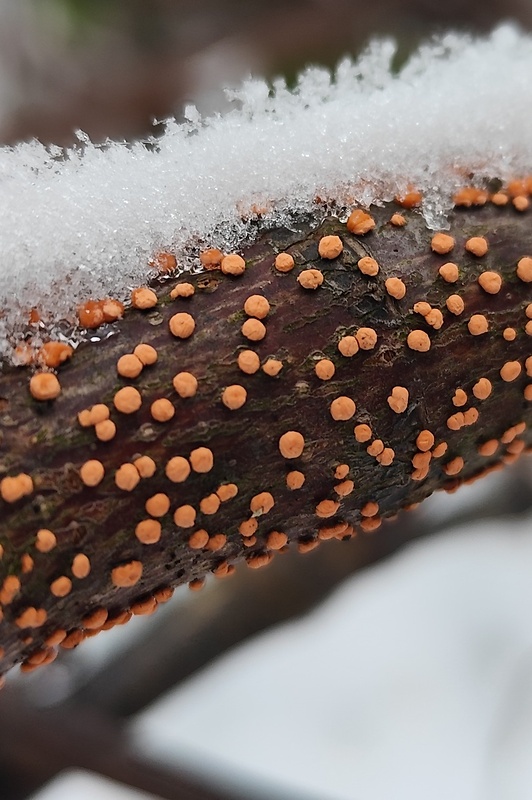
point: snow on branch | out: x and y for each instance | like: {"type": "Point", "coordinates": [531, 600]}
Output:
{"type": "Point", "coordinates": [84, 222]}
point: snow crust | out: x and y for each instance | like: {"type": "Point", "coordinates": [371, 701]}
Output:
{"type": "Point", "coordinates": [83, 222]}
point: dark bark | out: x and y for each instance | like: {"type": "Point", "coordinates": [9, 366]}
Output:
{"type": "Point", "coordinates": [46, 441]}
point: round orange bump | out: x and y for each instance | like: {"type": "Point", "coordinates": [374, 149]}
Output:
{"type": "Point", "coordinates": [233, 265]}
{"type": "Point", "coordinates": [61, 586]}
{"type": "Point", "coordinates": [470, 196]}
{"type": "Point", "coordinates": [419, 341]}
{"type": "Point", "coordinates": [127, 400]}
{"type": "Point", "coordinates": [177, 469]}
{"type": "Point", "coordinates": [395, 288]}
{"type": "Point", "coordinates": [261, 503]}
{"type": "Point", "coordinates": [330, 247]}
{"type": "Point", "coordinates": [370, 509]}
{"type": "Point", "coordinates": [425, 440]}
{"type": "Point", "coordinates": [162, 410]}
{"type": "Point", "coordinates": [488, 448]}
{"type": "Point", "coordinates": [398, 220]}
{"type": "Point", "coordinates": [528, 328]}
{"type": "Point", "coordinates": [434, 318]}
{"type": "Point", "coordinates": [478, 324]}
{"type": "Point", "coordinates": [291, 444]}
{"type": "Point", "coordinates": [185, 516]}
{"type": "Point", "coordinates": [127, 477]}
{"type": "Point", "coordinates": [524, 269]}
{"type": "Point", "coordinates": [528, 366]}
{"type": "Point", "coordinates": [456, 421]}
{"type": "Point", "coordinates": [201, 459]}
{"type": "Point", "coordinates": [248, 361]}
{"type": "Point", "coordinates": [81, 566]}
{"type": "Point", "coordinates": [105, 430]}
{"type": "Point", "coordinates": [182, 290]}
{"type": "Point", "coordinates": [490, 281]}
{"type": "Point", "coordinates": [510, 371]}
{"type": "Point", "coordinates": [363, 433]}
{"type": "Point", "coordinates": [52, 354]}
{"type": "Point", "coordinates": [198, 539]}
{"type": "Point", "coordinates": [422, 308]}
{"type": "Point", "coordinates": [248, 527]}
{"type": "Point", "coordinates": [210, 504]}
{"type": "Point", "coordinates": [327, 508]}
{"type": "Point", "coordinates": [341, 471]}
{"type": "Point", "coordinates": [45, 540]}
{"type": "Point", "coordinates": [521, 203]}
{"type": "Point", "coordinates": [148, 531]}
{"type": "Point", "coordinates": [95, 620]}
{"type": "Point", "coordinates": [92, 472]}
{"type": "Point", "coordinates": [217, 542]}
{"type": "Point", "coordinates": [411, 199]}
{"type": "Point", "coordinates": [442, 243]}
{"type": "Point", "coordinates": [449, 272]}
{"type": "Point", "coordinates": [528, 311]}
{"type": "Point", "coordinates": [284, 262]}
{"type": "Point", "coordinates": [98, 413]}
{"type": "Point", "coordinates": [310, 278]}
{"type": "Point", "coordinates": [253, 329]}
{"type": "Point", "coordinates": [348, 346]}
{"type": "Point", "coordinates": [375, 448]}
{"type": "Point", "coordinates": [344, 488]}
{"type": "Point", "coordinates": [324, 369]}
{"type": "Point", "coordinates": [499, 199]}
{"type": "Point", "coordinates": [455, 304]}
{"type": "Point", "coordinates": [477, 245]}
{"type": "Point", "coordinates": [15, 488]}
{"type": "Point", "coordinates": [527, 392]}
{"type": "Point", "coordinates": [295, 480]}
{"type": "Point", "coordinates": [234, 396]}
{"type": "Point", "coordinates": [145, 466]}
{"type": "Point", "coordinates": [459, 398]}
{"type": "Point", "coordinates": [307, 546]}
{"type": "Point", "coordinates": [398, 400]}
{"type": "Point", "coordinates": [185, 384]}
{"type": "Point", "coordinates": [227, 491]}
{"type": "Point", "coordinates": [470, 416]}
{"type": "Point", "coordinates": [211, 258]}
{"type": "Point", "coordinates": [143, 298]}
{"type": "Point", "coordinates": [454, 466]}
{"type": "Point", "coordinates": [164, 262]}
{"type": "Point", "coordinates": [509, 334]}
{"type": "Point", "coordinates": [275, 540]}
{"type": "Point", "coordinates": [182, 325]}
{"type": "Point", "coordinates": [366, 338]}
{"type": "Point", "coordinates": [44, 386]}
{"type": "Point", "coordinates": [257, 306]}
{"type": "Point", "coordinates": [10, 588]}
{"type": "Point", "coordinates": [31, 618]}
{"type": "Point", "coordinates": [359, 222]}
{"type": "Point", "coordinates": [272, 367]}
{"type": "Point", "coordinates": [145, 353]}
{"type": "Point", "coordinates": [127, 574]}
{"type": "Point", "coordinates": [112, 310]}
{"type": "Point", "coordinates": [129, 366]}
{"type": "Point", "coordinates": [386, 457]}
{"type": "Point", "coordinates": [342, 408]}
{"type": "Point", "coordinates": [90, 314]}
{"type": "Point", "coordinates": [157, 505]}
{"type": "Point", "coordinates": [368, 266]}
{"type": "Point", "coordinates": [440, 450]}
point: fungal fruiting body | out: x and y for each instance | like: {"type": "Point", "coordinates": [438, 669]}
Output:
{"type": "Point", "coordinates": [276, 402]}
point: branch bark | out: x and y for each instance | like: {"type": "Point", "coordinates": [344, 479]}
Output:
{"type": "Point", "coordinates": [45, 441]}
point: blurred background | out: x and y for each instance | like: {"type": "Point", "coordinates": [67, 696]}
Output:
{"type": "Point", "coordinates": [394, 666]}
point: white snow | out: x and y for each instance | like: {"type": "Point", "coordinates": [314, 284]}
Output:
{"type": "Point", "coordinates": [85, 221]}
{"type": "Point", "coordinates": [411, 682]}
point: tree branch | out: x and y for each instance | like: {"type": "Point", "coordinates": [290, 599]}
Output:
{"type": "Point", "coordinates": [434, 437]}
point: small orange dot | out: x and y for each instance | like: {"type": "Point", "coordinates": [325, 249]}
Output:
{"type": "Point", "coordinates": [127, 477]}
{"type": "Point", "coordinates": [127, 574]}
{"type": "Point", "coordinates": [227, 491]}
{"type": "Point", "coordinates": [395, 288]}
{"type": "Point", "coordinates": [272, 367]}
{"type": "Point", "coordinates": [366, 338]}
{"type": "Point", "coordinates": [442, 243]}
{"type": "Point", "coordinates": [201, 459]}
{"type": "Point", "coordinates": [129, 366]}
{"type": "Point", "coordinates": [81, 566]}
{"type": "Point", "coordinates": [295, 480]}
{"type": "Point", "coordinates": [418, 340]}
{"type": "Point", "coordinates": [253, 329]}
{"type": "Point", "coordinates": [148, 531]}
{"type": "Point", "coordinates": [398, 220]}
{"type": "Point", "coordinates": [61, 586]}
{"type": "Point", "coordinates": [363, 433]}
{"type": "Point", "coordinates": [510, 371]}
{"type": "Point", "coordinates": [45, 540]}
{"type": "Point", "coordinates": [198, 539]}
{"type": "Point", "coordinates": [145, 466]}
{"type": "Point", "coordinates": [509, 334]}
{"type": "Point", "coordinates": [348, 346]}
{"type": "Point", "coordinates": [459, 398]}
{"type": "Point", "coordinates": [477, 245]}
{"type": "Point", "coordinates": [342, 408]}
{"type": "Point", "coordinates": [248, 361]}
{"type": "Point", "coordinates": [185, 516]}
{"type": "Point", "coordinates": [162, 410]}
{"type": "Point", "coordinates": [211, 259]}
{"type": "Point", "coordinates": [105, 430]}
{"type": "Point", "coordinates": [368, 266]}
{"type": "Point", "coordinates": [234, 396]}
{"type": "Point", "coordinates": [157, 505]}
{"type": "Point", "coordinates": [233, 265]}
{"type": "Point", "coordinates": [398, 399]}
{"type": "Point", "coordinates": [330, 247]}
{"type": "Point", "coordinates": [425, 440]}
{"type": "Point", "coordinates": [359, 222]}
{"type": "Point", "coordinates": [44, 386]}
{"type": "Point", "coordinates": [257, 306]}
{"type": "Point", "coordinates": [524, 269]}
{"type": "Point", "coordinates": [185, 384]}
{"type": "Point", "coordinates": [291, 444]}
{"type": "Point", "coordinates": [324, 369]}
{"type": "Point", "coordinates": [275, 540]}
{"type": "Point", "coordinates": [182, 290]}
{"type": "Point", "coordinates": [478, 324]}
{"type": "Point", "coordinates": [146, 354]}
{"type": "Point", "coordinates": [182, 325]}
{"type": "Point", "coordinates": [327, 508]}
{"type": "Point", "coordinates": [490, 281]}
{"type": "Point", "coordinates": [143, 298]}
{"type": "Point", "coordinates": [92, 472]}
{"type": "Point", "coordinates": [210, 504]}
{"type": "Point", "coordinates": [455, 304]}
{"type": "Point", "coordinates": [261, 503]}
{"type": "Point", "coordinates": [449, 272]}
{"type": "Point", "coordinates": [127, 400]}
{"type": "Point", "coordinates": [310, 278]}
{"type": "Point", "coordinates": [177, 469]}
{"type": "Point", "coordinates": [284, 262]}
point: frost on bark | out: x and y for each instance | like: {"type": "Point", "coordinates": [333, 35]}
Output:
{"type": "Point", "coordinates": [389, 427]}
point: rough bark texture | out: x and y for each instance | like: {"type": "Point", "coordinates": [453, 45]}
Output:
{"type": "Point", "coordinates": [45, 440]}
